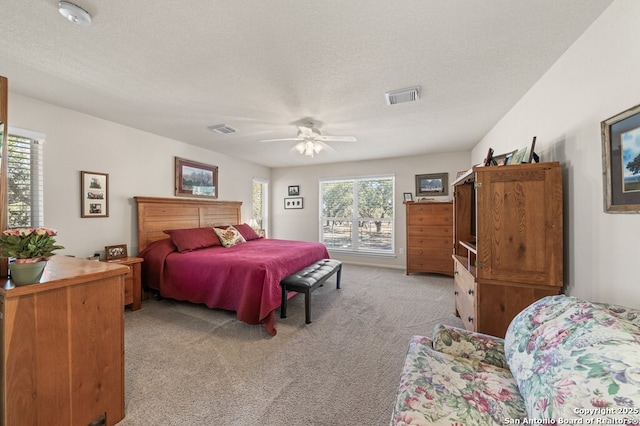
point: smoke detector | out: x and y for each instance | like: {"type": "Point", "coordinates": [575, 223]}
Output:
{"type": "Point", "coordinates": [74, 13]}
{"type": "Point", "coordinates": [403, 95]}
{"type": "Point", "coordinates": [222, 129]}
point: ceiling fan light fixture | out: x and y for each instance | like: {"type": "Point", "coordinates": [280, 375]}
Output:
{"type": "Point", "coordinates": [74, 13]}
{"type": "Point", "coordinates": [308, 148]}
{"type": "Point", "coordinates": [403, 95]}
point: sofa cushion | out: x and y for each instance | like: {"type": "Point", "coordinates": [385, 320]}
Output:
{"type": "Point", "coordinates": [460, 342]}
{"type": "Point", "coordinates": [575, 359]}
{"type": "Point", "coordinates": [440, 389]}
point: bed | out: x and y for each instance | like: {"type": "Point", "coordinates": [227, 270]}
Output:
{"type": "Point", "coordinates": [244, 277]}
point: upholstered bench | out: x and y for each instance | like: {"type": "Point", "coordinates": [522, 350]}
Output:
{"type": "Point", "coordinates": [306, 280]}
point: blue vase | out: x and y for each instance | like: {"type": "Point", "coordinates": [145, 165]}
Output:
{"type": "Point", "coordinates": [27, 273]}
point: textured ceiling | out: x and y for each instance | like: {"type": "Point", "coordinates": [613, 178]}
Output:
{"type": "Point", "coordinates": [175, 68]}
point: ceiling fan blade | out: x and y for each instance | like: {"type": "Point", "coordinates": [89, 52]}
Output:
{"type": "Point", "coordinates": [308, 130]}
{"type": "Point", "coordinates": [326, 147]}
{"type": "Point", "coordinates": [338, 138]}
{"type": "Point", "coordinates": [282, 139]}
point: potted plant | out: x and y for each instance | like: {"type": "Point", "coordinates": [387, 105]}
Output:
{"type": "Point", "coordinates": [31, 247]}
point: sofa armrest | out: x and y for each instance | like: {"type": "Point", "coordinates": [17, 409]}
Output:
{"type": "Point", "coordinates": [468, 344]}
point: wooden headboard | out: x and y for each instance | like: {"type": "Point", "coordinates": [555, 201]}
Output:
{"type": "Point", "coordinates": [157, 214]}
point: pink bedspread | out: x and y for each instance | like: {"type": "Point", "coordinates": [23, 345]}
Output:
{"type": "Point", "coordinates": [244, 278]}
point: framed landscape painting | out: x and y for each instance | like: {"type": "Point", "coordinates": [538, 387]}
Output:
{"type": "Point", "coordinates": [196, 179]}
{"type": "Point", "coordinates": [621, 162]}
{"type": "Point", "coordinates": [432, 184]}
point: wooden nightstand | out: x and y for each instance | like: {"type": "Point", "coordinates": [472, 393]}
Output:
{"type": "Point", "coordinates": [132, 281]}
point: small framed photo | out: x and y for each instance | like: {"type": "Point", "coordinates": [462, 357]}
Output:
{"type": "Point", "coordinates": [196, 179]}
{"type": "Point", "coordinates": [488, 160]}
{"type": "Point", "coordinates": [520, 156]}
{"type": "Point", "coordinates": [503, 159]}
{"type": "Point", "coordinates": [293, 203]}
{"type": "Point", "coordinates": [530, 155]}
{"type": "Point", "coordinates": [94, 194]}
{"type": "Point", "coordinates": [115, 252]}
{"type": "Point", "coordinates": [621, 162]}
{"type": "Point", "coordinates": [294, 190]}
{"type": "Point", "coordinates": [408, 197]}
{"type": "Point", "coordinates": [432, 184]}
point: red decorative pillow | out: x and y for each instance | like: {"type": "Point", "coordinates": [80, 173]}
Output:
{"type": "Point", "coordinates": [193, 238]}
{"type": "Point", "coordinates": [247, 232]}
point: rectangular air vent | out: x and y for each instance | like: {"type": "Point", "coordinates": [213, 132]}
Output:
{"type": "Point", "coordinates": [223, 129]}
{"type": "Point", "coordinates": [403, 95]}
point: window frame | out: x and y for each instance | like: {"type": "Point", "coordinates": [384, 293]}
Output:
{"type": "Point", "coordinates": [356, 219]}
{"type": "Point", "coordinates": [264, 218]}
{"type": "Point", "coordinates": [36, 175]}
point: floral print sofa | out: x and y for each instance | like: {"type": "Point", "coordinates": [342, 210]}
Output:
{"type": "Point", "coordinates": [563, 361]}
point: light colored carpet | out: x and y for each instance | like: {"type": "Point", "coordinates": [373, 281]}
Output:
{"type": "Point", "coordinates": [190, 365]}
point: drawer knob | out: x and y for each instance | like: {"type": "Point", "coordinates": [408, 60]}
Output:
{"type": "Point", "coordinates": [455, 292]}
{"type": "Point", "coordinates": [470, 291]}
{"type": "Point", "coordinates": [470, 318]}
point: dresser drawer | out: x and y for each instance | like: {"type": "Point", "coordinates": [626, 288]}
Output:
{"type": "Point", "coordinates": [440, 219]}
{"type": "Point", "coordinates": [430, 243]}
{"type": "Point", "coordinates": [415, 231]}
{"type": "Point", "coordinates": [429, 253]}
{"type": "Point", "coordinates": [465, 295]}
{"type": "Point", "coordinates": [128, 287]}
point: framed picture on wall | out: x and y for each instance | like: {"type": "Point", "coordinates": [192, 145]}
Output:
{"type": "Point", "coordinates": [94, 194]}
{"type": "Point", "coordinates": [293, 203]}
{"type": "Point", "coordinates": [294, 190]}
{"type": "Point", "coordinates": [195, 179]}
{"type": "Point", "coordinates": [621, 162]}
{"type": "Point", "coordinates": [432, 184]}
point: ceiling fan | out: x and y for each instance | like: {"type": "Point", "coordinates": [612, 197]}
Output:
{"type": "Point", "coordinates": [311, 141]}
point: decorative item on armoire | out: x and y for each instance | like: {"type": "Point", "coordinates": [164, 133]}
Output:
{"type": "Point", "coordinates": [31, 248]}
{"type": "Point", "coordinates": [621, 162]}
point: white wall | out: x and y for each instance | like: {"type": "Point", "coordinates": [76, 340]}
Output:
{"type": "Point", "coordinates": [138, 164]}
{"type": "Point", "coordinates": [598, 77]}
{"type": "Point", "coordinates": [304, 224]}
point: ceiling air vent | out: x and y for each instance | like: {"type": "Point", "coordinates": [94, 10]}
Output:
{"type": "Point", "coordinates": [222, 129]}
{"type": "Point", "coordinates": [403, 95]}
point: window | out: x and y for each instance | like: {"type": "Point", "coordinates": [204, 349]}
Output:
{"type": "Point", "coordinates": [356, 214]}
{"type": "Point", "coordinates": [260, 204]}
{"type": "Point", "coordinates": [25, 179]}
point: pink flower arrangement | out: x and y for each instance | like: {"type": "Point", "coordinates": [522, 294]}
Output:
{"type": "Point", "coordinates": [28, 244]}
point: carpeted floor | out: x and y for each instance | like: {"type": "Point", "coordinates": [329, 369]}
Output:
{"type": "Point", "coordinates": [190, 365]}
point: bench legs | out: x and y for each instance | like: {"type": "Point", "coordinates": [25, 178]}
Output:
{"type": "Point", "coordinates": [307, 297]}
{"type": "Point", "coordinates": [307, 307]}
{"type": "Point", "coordinates": [283, 304]}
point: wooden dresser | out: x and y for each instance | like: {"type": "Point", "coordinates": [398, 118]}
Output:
{"type": "Point", "coordinates": [63, 346]}
{"type": "Point", "coordinates": [507, 242]}
{"type": "Point", "coordinates": [132, 281]}
{"type": "Point", "coordinates": [429, 237]}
